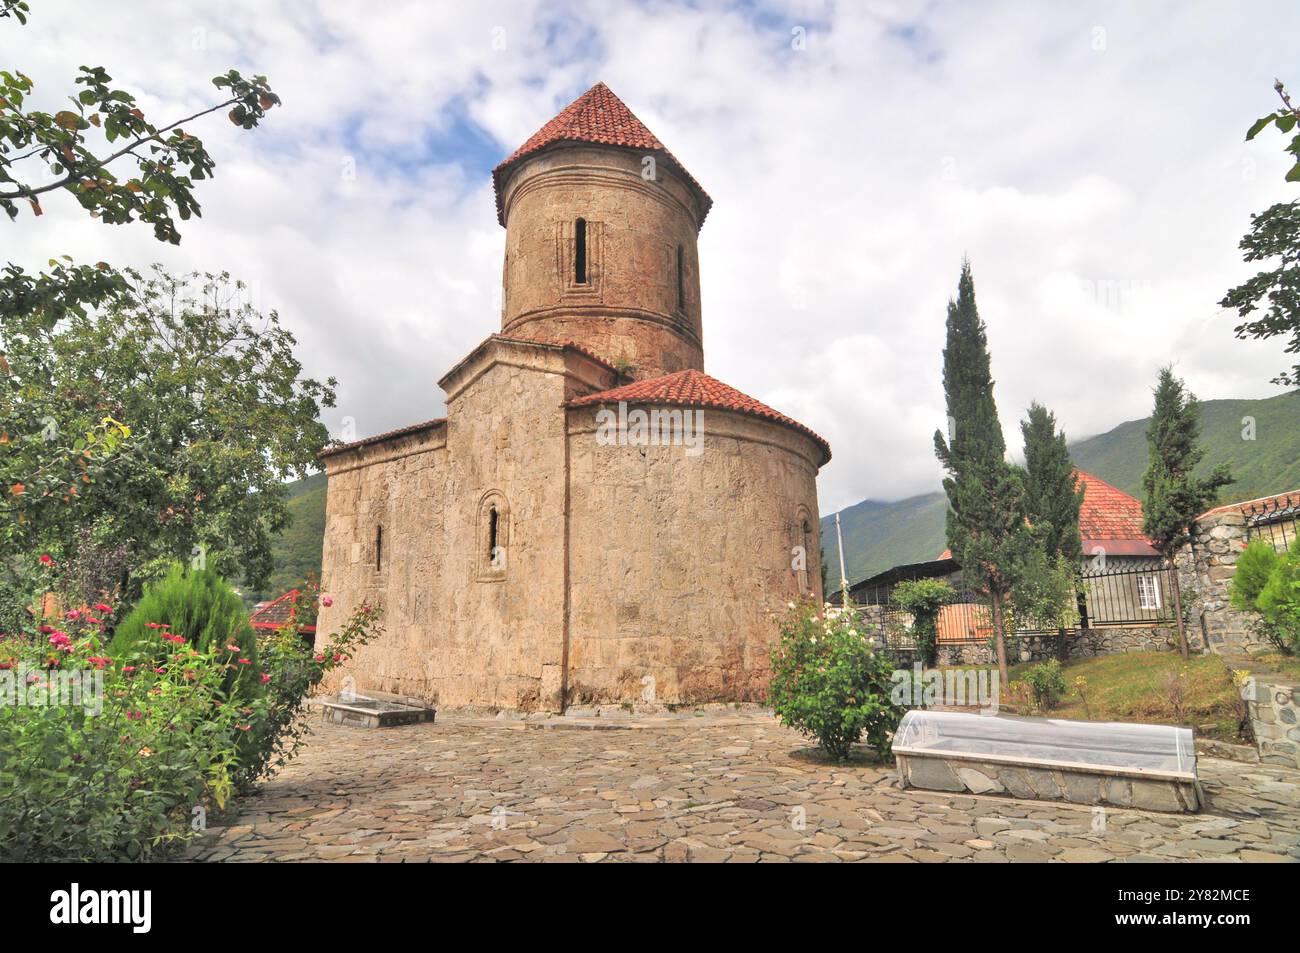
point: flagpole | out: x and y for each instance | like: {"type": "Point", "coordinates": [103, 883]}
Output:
{"type": "Point", "coordinates": [844, 580]}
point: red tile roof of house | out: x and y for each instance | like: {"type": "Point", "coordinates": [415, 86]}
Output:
{"type": "Point", "coordinates": [1108, 513]}
{"type": "Point", "coordinates": [380, 438]}
{"type": "Point", "coordinates": [596, 116]}
{"type": "Point", "coordinates": [692, 388]}
{"type": "Point", "coordinates": [1109, 518]}
{"type": "Point", "coordinates": [276, 613]}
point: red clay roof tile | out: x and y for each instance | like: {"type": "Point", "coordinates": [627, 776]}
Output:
{"type": "Point", "coordinates": [596, 116]}
{"type": "Point", "coordinates": [1108, 515]}
{"type": "Point", "coordinates": [692, 388]}
{"type": "Point", "coordinates": [380, 438]}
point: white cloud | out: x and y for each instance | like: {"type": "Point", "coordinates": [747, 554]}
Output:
{"type": "Point", "coordinates": [1100, 193]}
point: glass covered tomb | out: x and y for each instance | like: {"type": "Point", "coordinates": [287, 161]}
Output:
{"type": "Point", "coordinates": [1127, 765]}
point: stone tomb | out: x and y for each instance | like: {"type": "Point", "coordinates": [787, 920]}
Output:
{"type": "Point", "coordinates": [1149, 767]}
{"type": "Point", "coordinates": [374, 710]}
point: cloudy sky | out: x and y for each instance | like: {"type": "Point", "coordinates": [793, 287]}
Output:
{"type": "Point", "coordinates": [1089, 158]}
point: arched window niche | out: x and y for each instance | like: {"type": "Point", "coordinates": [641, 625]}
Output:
{"type": "Point", "coordinates": [492, 556]}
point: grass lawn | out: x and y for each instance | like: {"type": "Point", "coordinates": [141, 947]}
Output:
{"type": "Point", "coordinates": [1277, 662]}
{"type": "Point", "coordinates": [1131, 687]}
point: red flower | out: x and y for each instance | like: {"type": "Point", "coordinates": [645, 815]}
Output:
{"type": "Point", "coordinates": [244, 661]}
{"type": "Point", "coordinates": [128, 669]}
{"type": "Point", "coordinates": [100, 607]}
{"type": "Point", "coordinates": [160, 671]}
{"type": "Point", "coordinates": [320, 658]}
{"type": "Point", "coordinates": [46, 560]}
{"type": "Point", "coordinates": [73, 615]}
{"type": "Point", "coordinates": [46, 629]}
{"type": "Point", "coordinates": [265, 678]}
{"type": "Point", "coordinates": [135, 715]}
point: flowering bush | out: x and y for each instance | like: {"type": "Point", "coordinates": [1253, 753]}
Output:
{"type": "Point", "coordinates": [119, 755]}
{"type": "Point", "coordinates": [829, 683]}
{"type": "Point", "coordinates": [293, 670]}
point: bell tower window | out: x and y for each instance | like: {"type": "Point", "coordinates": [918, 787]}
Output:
{"type": "Point", "coordinates": [580, 251]}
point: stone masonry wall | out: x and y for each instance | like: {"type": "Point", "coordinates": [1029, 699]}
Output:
{"type": "Point", "coordinates": [1274, 707]}
{"type": "Point", "coordinates": [628, 309]}
{"type": "Point", "coordinates": [1206, 567]}
{"type": "Point", "coordinates": [679, 562]}
{"type": "Point", "coordinates": [459, 630]}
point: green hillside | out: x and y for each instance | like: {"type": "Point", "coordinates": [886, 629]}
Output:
{"type": "Point", "coordinates": [878, 536]}
{"type": "Point", "coordinates": [297, 550]}
{"type": "Point", "coordinates": [1268, 464]}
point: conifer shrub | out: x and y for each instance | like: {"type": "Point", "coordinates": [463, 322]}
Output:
{"type": "Point", "coordinates": [200, 607]}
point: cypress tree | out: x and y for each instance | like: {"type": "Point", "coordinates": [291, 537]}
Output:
{"type": "Point", "coordinates": [987, 529]}
{"type": "Point", "coordinates": [1174, 494]}
{"type": "Point", "coordinates": [1052, 498]}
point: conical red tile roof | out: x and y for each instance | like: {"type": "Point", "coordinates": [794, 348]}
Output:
{"type": "Point", "coordinates": [692, 388]}
{"type": "Point", "coordinates": [596, 116]}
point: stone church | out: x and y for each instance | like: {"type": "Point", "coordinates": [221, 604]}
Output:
{"type": "Point", "coordinates": [596, 520]}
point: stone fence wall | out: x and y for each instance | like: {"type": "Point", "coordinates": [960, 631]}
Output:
{"type": "Point", "coordinates": [1274, 704]}
{"type": "Point", "coordinates": [1205, 568]}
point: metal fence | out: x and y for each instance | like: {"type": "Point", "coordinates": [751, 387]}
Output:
{"type": "Point", "coordinates": [1120, 595]}
{"type": "Point", "coordinates": [1276, 520]}
{"type": "Point", "coordinates": [1127, 595]}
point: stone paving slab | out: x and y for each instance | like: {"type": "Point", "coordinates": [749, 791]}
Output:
{"type": "Point", "coordinates": [728, 786]}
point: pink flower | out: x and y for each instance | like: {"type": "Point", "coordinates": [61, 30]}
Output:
{"type": "Point", "coordinates": [128, 669]}
{"type": "Point", "coordinates": [46, 629]}
{"type": "Point", "coordinates": [73, 615]}
{"type": "Point", "coordinates": [99, 661]}
{"type": "Point", "coordinates": [320, 658]}
{"type": "Point", "coordinates": [265, 678]}
{"type": "Point", "coordinates": [60, 640]}
{"type": "Point", "coordinates": [160, 671]}
{"type": "Point", "coordinates": [232, 648]}
{"type": "Point", "coordinates": [135, 715]}
{"type": "Point", "coordinates": [327, 602]}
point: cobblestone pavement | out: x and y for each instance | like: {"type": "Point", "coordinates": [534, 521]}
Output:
{"type": "Point", "coordinates": [726, 786]}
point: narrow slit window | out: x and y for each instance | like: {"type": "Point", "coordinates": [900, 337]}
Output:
{"type": "Point", "coordinates": [493, 529]}
{"type": "Point", "coordinates": [379, 548]}
{"type": "Point", "coordinates": [580, 251]}
{"type": "Point", "coordinates": [681, 279]}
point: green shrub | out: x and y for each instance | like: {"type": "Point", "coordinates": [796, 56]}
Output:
{"type": "Point", "coordinates": [1269, 583]}
{"type": "Point", "coordinates": [126, 768]}
{"type": "Point", "coordinates": [159, 733]}
{"type": "Point", "coordinates": [1255, 564]}
{"type": "Point", "coordinates": [924, 599]}
{"type": "Point", "coordinates": [197, 605]}
{"type": "Point", "coordinates": [293, 671]}
{"type": "Point", "coordinates": [828, 682]}
{"type": "Point", "coordinates": [1047, 683]}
